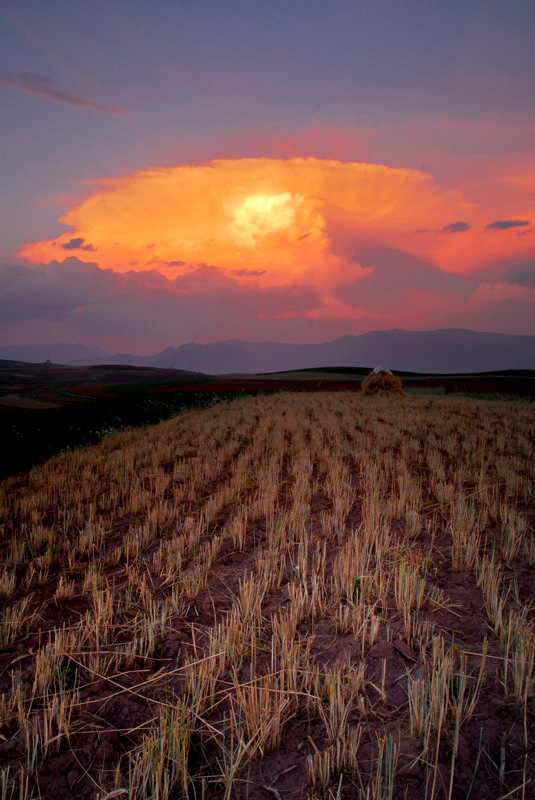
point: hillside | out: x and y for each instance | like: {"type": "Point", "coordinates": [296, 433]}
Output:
{"type": "Point", "coordinates": [18, 378]}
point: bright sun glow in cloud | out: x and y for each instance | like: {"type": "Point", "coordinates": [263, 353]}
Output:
{"type": "Point", "coordinates": [260, 214]}
{"type": "Point", "coordinates": [286, 222]}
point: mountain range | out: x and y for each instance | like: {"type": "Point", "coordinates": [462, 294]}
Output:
{"type": "Point", "coordinates": [450, 350]}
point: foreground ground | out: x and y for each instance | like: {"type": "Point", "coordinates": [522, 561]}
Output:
{"type": "Point", "coordinates": [295, 596]}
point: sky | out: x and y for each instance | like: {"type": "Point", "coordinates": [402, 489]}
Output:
{"type": "Point", "coordinates": [197, 170]}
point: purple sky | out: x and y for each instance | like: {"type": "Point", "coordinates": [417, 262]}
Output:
{"type": "Point", "coordinates": [96, 96]}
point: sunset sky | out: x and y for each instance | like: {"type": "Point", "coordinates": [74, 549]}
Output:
{"type": "Point", "coordinates": [176, 171]}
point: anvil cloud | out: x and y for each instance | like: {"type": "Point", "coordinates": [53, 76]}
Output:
{"type": "Point", "coordinates": [293, 219]}
{"type": "Point", "coordinates": [357, 243]}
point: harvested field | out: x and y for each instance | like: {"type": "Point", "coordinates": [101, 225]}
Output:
{"type": "Point", "coordinates": [294, 596]}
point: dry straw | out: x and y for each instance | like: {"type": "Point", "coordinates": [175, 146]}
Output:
{"type": "Point", "coordinates": [253, 583]}
{"type": "Point", "coordinates": [382, 384]}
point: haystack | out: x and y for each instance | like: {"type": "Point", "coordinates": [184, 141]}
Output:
{"type": "Point", "coordinates": [383, 383]}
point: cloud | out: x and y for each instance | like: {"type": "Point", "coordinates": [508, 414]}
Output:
{"type": "Point", "coordinates": [155, 263]}
{"type": "Point", "coordinates": [491, 293]}
{"type": "Point", "coordinates": [521, 274]}
{"type": "Point", "coordinates": [144, 311]}
{"type": "Point", "coordinates": [393, 274]}
{"type": "Point", "coordinates": [50, 292]}
{"type": "Point", "coordinates": [88, 301]}
{"type": "Point", "coordinates": [456, 227]}
{"type": "Point", "coordinates": [240, 273]}
{"type": "Point", "coordinates": [504, 224]}
{"type": "Point", "coordinates": [47, 88]}
{"type": "Point", "coordinates": [234, 242]}
{"type": "Point", "coordinates": [78, 244]}
{"type": "Point", "coordinates": [319, 140]}
{"type": "Point", "coordinates": [73, 244]}
{"type": "Point", "coordinates": [296, 220]}
{"type": "Point", "coordinates": [327, 141]}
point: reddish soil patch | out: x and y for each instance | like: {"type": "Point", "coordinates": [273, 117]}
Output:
{"type": "Point", "coordinates": [263, 385]}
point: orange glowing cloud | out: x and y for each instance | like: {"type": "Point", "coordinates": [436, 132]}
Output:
{"type": "Point", "coordinates": [281, 222]}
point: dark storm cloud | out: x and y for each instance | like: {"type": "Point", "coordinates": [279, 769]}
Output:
{"type": "Point", "coordinates": [78, 244]}
{"type": "Point", "coordinates": [395, 272]}
{"type": "Point", "coordinates": [47, 88]}
{"type": "Point", "coordinates": [49, 292]}
{"type": "Point", "coordinates": [411, 293]}
{"type": "Point", "coordinates": [503, 224]}
{"type": "Point", "coordinates": [521, 274]}
{"type": "Point", "coordinates": [162, 263]}
{"type": "Point", "coordinates": [456, 227]}
{"type": "Point", "coordinates": [90, 301]}
{"type": "Point", "coordinates": [240, 273]}
{"type": "Point", "coordinates": [73, 244]}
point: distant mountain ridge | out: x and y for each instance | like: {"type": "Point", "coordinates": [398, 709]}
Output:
{"type": "Point", "coordinates": [439, 351]}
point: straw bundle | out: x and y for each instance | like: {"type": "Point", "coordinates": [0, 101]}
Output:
{"type": "Point", "coordinates": [383, 384]}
